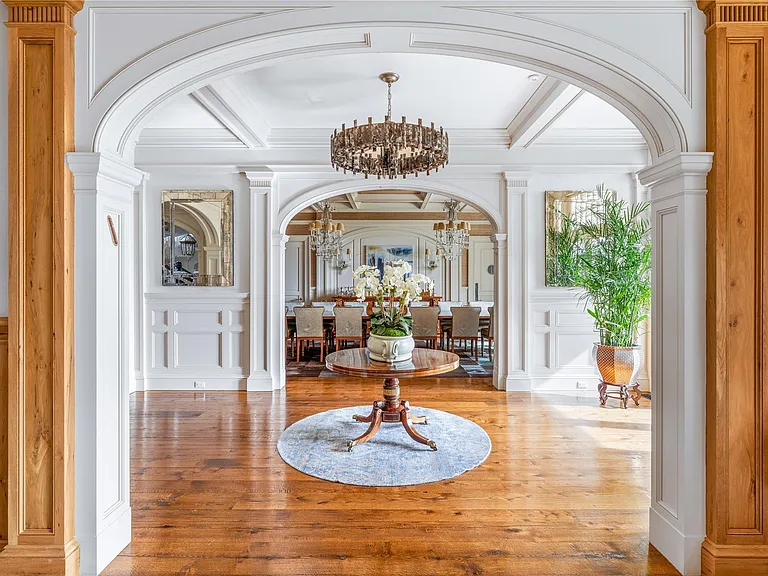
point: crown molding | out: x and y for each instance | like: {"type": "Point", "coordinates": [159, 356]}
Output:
{"type": "Point", "coordinates": [189, 138]}
{"type": "Point", "coordinates": [592, 138]}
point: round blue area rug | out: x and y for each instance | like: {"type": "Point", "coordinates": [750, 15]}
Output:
{"type": "Point", "coordinates": [317, 446]}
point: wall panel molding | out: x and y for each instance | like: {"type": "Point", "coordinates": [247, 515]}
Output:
{"type": "Point", "coordinates": [197, 338]}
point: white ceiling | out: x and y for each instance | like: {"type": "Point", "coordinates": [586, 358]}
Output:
{"type": "Point", "coordinates": [298, 103]}
{"type": "Point", "coordinates": [451, 92]}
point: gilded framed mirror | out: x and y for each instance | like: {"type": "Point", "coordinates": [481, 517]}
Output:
{"type": "Point", "coordinates": [565, 211]}
{"type": "Point", "coordinates": [197, 238]}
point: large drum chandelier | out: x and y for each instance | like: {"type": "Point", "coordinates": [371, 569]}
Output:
{"type": "Point", "coordinates": [389, 149]}
{"type": "Point", "coordinates": [453, 236]}
{"type": "Point", "coordinates": [325, 236]}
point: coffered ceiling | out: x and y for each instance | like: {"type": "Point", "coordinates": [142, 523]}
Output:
{"type": "Point", "coordinates": [297, 104]}
{"type": "Point", "coordinates": [430, 205]}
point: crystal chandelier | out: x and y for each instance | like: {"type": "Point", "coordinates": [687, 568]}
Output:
{"type": "Point", "coordinates": [389, 149]}
{"type": "Point", "coordinates": [324, 236]}
{"type": "Point", "coordinates": [451, 237]}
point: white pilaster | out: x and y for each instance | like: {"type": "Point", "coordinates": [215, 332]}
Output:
{"type": "Point", "coordinates": [500, 311]}
{"type": "Point", "coordinates": [514, 199]}
{"type": "Point", "coordinates": [677, 189]}
{"type": "Point", "coordinates": [104, 261]}
{"type": "Point", "coordinates": [264, 345]}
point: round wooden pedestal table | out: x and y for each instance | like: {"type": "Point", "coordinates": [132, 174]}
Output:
{"type": "Point", "coordinates": [356, 362]}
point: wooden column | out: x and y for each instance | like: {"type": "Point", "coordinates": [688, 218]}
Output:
{"type": "Point", "coordinates": [3, 432]}
{"type": "Point", "coordinates": [40, 301]}
{"type": "Point", "coordinates": [737, 290]}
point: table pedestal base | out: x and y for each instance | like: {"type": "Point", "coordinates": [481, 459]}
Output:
{"type": "Point", "coordinates": [392, 409]}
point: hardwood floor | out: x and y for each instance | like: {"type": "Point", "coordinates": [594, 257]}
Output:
{"type": "Point", "coordinates": [565, 490]}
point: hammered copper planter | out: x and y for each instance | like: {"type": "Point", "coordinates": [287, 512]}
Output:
{"type": "Point", "coordinates": [618, 366]}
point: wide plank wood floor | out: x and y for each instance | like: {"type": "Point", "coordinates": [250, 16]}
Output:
{"type": "Point", "coordinates": [565, 490]}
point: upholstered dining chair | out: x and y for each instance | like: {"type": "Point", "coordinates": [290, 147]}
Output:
{"type": "Point", "coordinates": [290, 331]}
{"type": "Point", "coordinates": [465, 325]}
{"type": "Point", "coordinates": [486, 332]}
{"type": "Point", "coordinates": [348, 325]}
{"type": "Point", "coordinates": [445, 323]}
{"type": "Point", "coordinates": [309, 328]}
{"type": "Point", "coordinates": [426, 324]}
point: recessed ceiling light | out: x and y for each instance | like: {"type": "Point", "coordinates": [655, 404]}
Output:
{"type": "Point", "coordinates": [533, 77]}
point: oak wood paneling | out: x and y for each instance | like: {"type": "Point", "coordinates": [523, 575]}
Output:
{"type": "Point", "coordinates": [737, 399]}
{"type": "Point", "coordinates": [40, 402]}
{"type": "Point", "coordinates": [3, 432]}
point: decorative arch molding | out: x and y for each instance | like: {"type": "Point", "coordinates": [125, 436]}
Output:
{"type": "Point", "coordinates": [340, 187]}
{"type": "Point", "coordinates": [123, 105]}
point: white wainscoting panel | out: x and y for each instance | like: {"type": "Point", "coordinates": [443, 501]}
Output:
{"type": "Point", "coordinates": [562, 334]}
{"type": "Point", "coordinates": [199, 337]}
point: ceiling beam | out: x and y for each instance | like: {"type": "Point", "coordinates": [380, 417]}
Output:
{"type": "Point", "coordinates": [550, 100]}
{"type": "Point", "coordinates": [353, 203]}
{"type": "Point", "coordinates": [426, 197]}
{"type": "Point", "coordinates": [230, 105]}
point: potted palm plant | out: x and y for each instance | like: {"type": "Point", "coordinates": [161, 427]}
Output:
{"type": "Point", "coordinates": [391, 338]}
{"type": "Point", "coordinates": [614, 275]}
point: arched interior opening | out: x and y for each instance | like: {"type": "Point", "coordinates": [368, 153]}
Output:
{"type": "Point", "coordinates": [276, 174]}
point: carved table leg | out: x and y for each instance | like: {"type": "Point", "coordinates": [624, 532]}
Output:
{"type": "Point", "coordinates": [623, 396]}
{"type": "Point", "coordinates": [601, 388]}
{"type": "Point", "coordinates": [371, 432]}
{"type": "Point", "coordinates": [368, 418]}
{"type": "Point", "coordinates": [408, 425]}
{"type": "Point", "coordinates": [636, 394]}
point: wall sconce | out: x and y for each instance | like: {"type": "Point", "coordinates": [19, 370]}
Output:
{"type": "Point", "coordinates": [346, 262]}
{"type": "Point", "coordinates": [431, 264]}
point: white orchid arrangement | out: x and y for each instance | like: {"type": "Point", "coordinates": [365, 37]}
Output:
{"type": "Point", "coordinates": [391, 320]}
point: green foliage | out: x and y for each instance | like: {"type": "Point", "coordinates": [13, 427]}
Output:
{"type": "Point", "coordinates": [563, 250]}
{"type": "Point", "coordinates": [614, 269]}
{"type": "Point", "coordinates": [390, 321]}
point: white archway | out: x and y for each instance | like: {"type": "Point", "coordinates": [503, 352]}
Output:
{"type": "Point", "coordinates": [119, 108]}
{"type": "Point", "coordinates": [506, 356]}
{"type": "Point", "coordinates": [111, 115]}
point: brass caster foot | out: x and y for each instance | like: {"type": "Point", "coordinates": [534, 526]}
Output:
{"type": "Point", "coordinates": [432, 445]}
{"type": "Point", "coordinates": [350, 445]}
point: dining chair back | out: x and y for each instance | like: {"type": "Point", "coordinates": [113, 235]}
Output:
{"type": "Point", "coordinates": [309, 327]}
{"type": "Point", "coordinates": [426, 324]}
{"type": "Point", "coordinates": [465, 325]}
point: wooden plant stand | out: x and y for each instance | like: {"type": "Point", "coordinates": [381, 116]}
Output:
{"type": "Point", "coordinates": [622, 395]}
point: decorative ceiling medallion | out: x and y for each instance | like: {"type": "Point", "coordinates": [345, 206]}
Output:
{"type": "Point", "coordinates": [389, 149]}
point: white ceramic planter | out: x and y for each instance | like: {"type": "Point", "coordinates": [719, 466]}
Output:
{"type": "Point", "coordinates": [390, 348]}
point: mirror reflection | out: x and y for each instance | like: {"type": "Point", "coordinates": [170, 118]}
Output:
{"type": "Point", "coordinates": [565, 210]}
{"type": "Point", "coordinates": [197, 238]}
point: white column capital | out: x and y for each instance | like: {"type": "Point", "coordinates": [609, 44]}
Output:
{"type": "Point", "coordinates": [499, 240]}
{"type": "Point", "coordinates": [279, 239]}
{"type": "Point", "coordinates": [93, 168]}
{"type": "Point", "coordinates": [692, 167]}
{"type": "Point", "coordinates": [260, 179]}
{"type": "Point", "coordinates": [516, 181]}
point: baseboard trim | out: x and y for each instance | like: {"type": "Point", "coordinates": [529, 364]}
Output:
{"type": "Point", "coordinates": [733, 560]}
{"type": "Point", "coordinates": [683, 552]}
{"type": "Point", "coordinates": [517, 384]}
{"type": "Point", "coordinates": [261, 382]}
{"type": "Point", "coordinates": [188, 383]}
{"type": "Point", "coordinates": [111, 542]}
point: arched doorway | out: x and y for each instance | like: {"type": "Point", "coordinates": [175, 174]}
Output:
{"type": "Point", "coordinates": [512, 321]}
{"type": "Point", "coordinates": [660, 110]}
